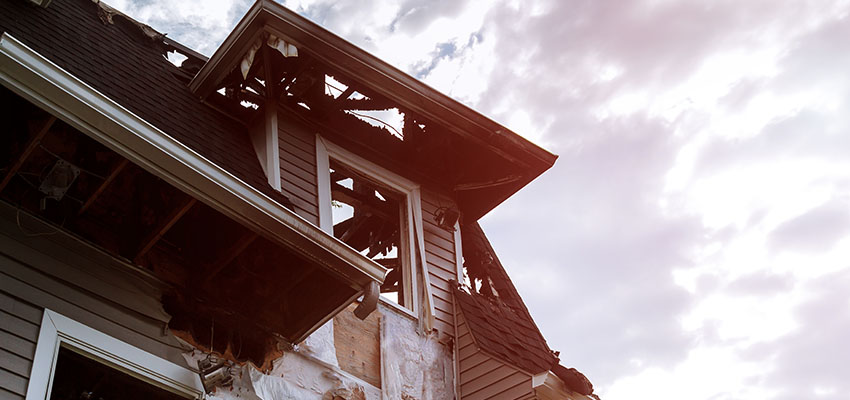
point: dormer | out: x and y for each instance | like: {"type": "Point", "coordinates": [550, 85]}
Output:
{"type": "Point", "coordinates": [352, 141]}
{"type": "Point", "coordinates": [335, 89]}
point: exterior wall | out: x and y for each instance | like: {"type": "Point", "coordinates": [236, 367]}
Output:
{"type": "Point", "coordinates": [300, 184]}
{"type": "Point", "coordinates": [19, 323]}
{"type": "Point", "coordinates": [298, 168]}
{"type": "Point", "coordinates": [56, 271]}
{"type": "Point", "coordinates": [441, 260]}
{"type": "Point", "coordinates": [483, 377]}
{"type": "Point", "coordinates": [358, 344]}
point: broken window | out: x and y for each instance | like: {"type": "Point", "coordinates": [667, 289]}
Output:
{"type": "Point", "coordinates": [371, 218]}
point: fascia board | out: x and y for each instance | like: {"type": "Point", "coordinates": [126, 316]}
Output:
{"type": "Point", "coordinates": [230, 52]}
{"type": "Point", "coordinates": [36, 78]}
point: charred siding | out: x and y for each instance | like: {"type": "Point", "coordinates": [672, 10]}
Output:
{"type": "Point", "coordinates": [298, 168]}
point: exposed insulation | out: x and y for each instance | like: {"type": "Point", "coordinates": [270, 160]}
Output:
{"type": "Point", "coordinates": [414, 365]}
{"type": "Point", "coordinates": [293, 376]}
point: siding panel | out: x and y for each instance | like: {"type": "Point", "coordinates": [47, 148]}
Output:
{"type": "Point", "coordinates": [298, 168]}
{"type": "Point", "coordinates": [440, 260]}
{"type": "Point", "coordinates": [484, 377]}
{"type": "Point", "coordinates": [13, 383]}
{"type": "Point", "coordinates": [7, 395]}
{"type": "Point", "coordinates": [18, 327]}
{"type": "Point", "coordinates": [75, 280]}
{"type": "Point", "coordinates": [16, 345]}
{"type": "Point", "coordinates": [15, 364]}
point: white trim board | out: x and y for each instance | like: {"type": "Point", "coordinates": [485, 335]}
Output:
{"type": "Point", "coordinates": [37, 79]}
{"type": "Point", "coordinates": [60, 331]}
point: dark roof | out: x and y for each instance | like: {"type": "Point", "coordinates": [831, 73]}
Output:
{"type": "Point", "coordinates": [504, 333]}
{"type": "Point", "coordinates": [459, 150]}
{"type": "Point", "coordinates": [574, 380]}
{"type": "Point", "coordinates": [126, 61]}
{"type": "Point", "coordinates": [497, 317]}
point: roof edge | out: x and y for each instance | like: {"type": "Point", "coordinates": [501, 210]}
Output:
{"type": "Point", "coordinates": [379, 75]}
{"type": "Point", "coordinates": [36, 78]}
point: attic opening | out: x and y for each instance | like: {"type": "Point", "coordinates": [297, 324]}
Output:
{"type": "Point", "coordinates": [368, 217]}
{"type": "Point", "coordinates": [253, 292]}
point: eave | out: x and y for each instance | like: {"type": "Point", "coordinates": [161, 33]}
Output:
{"type": "Point", "coordinates": [53, 89]}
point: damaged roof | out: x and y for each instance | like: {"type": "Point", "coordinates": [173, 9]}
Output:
{"type": "Point", "coordinates": [131, 68]}
{"type": "Point", "coordinates": [497, 316]}
{"type": "Point", "coordinates": [458, 150]}
{"type": "Point", "coordinates": [444, 143]}
{"type": "Point", "coordinates": [498, 319]}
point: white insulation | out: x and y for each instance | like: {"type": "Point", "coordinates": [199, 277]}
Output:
{"type": "Point", "coordinates": [414, 365]}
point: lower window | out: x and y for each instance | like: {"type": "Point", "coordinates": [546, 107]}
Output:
{"type": "Point", "coordinates": [73, 361]}
{"type": "Point", "coordinates": [80, 377]}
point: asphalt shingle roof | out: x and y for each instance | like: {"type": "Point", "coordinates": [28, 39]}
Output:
{"type": "Point", "coordinates": [120, 61]}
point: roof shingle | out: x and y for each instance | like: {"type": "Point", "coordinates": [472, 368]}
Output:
{"type": "Point", "coordinates": [122, 62]}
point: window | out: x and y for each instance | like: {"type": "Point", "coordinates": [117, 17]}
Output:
{"type": "Point", "coordinates": [75, 361]}
{"type": "Point", "coordinates": [377, 213]}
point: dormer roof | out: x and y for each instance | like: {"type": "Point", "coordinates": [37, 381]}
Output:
{"type": "Point", "coordinates": [448, 145]}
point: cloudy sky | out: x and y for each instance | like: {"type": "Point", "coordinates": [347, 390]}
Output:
{"type": "Point", "coordinates": [693, 239]}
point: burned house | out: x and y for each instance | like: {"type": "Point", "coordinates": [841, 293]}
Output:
{"type": "Point", "coordinates": [249, 225]}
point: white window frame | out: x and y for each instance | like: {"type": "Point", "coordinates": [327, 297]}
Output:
{"type": "Point", "coordinates": [412, 252]}
{"type": "Point", "coordinates": [60, 331]}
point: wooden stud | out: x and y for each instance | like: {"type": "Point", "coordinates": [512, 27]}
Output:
{"type": "Point", "coordinates": [33, 143]}
{"type": "Point", "coordinates": [102, 187]}
{"type": "Point", "coordinates": [164, 227]}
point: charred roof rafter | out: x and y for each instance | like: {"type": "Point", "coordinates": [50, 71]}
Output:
{"type": "Point", "coordinates": [218, 271]}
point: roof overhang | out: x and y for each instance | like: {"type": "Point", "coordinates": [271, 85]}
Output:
{"type": "Point", "coordinates": [53, 89]}
{"type": "Point", "coordinates": [265, 16]}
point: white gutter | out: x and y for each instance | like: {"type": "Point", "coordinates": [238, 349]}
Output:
{"type": "Point", "coordinates": [547, 386]}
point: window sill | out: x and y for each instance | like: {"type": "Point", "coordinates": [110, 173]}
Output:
{"type": "Point", "coordinates": [389, 304]}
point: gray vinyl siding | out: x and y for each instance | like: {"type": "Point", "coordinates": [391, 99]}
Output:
{"type": "Point", "coordinates": [298, 168]}
{"type": "Point", "coordinates": [440, 257]}
{"type": "Point", "coordinates": [299, 182]}
{"type": "Point", "coordinates": [58, 272]}
{"type": "Point", "coordinates": [19, 324]}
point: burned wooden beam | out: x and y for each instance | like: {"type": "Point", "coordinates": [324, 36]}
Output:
{"type": "Point", "coordinates": [345, 94]}
{"type": "Point", "coordinates": [172, 219]}
{"type": "Point", "coordinates": [103, 186]}
{"type": "Point", "coordinates": [373, 204]}
{"type": "Point", "coordinates": [33, 143]}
